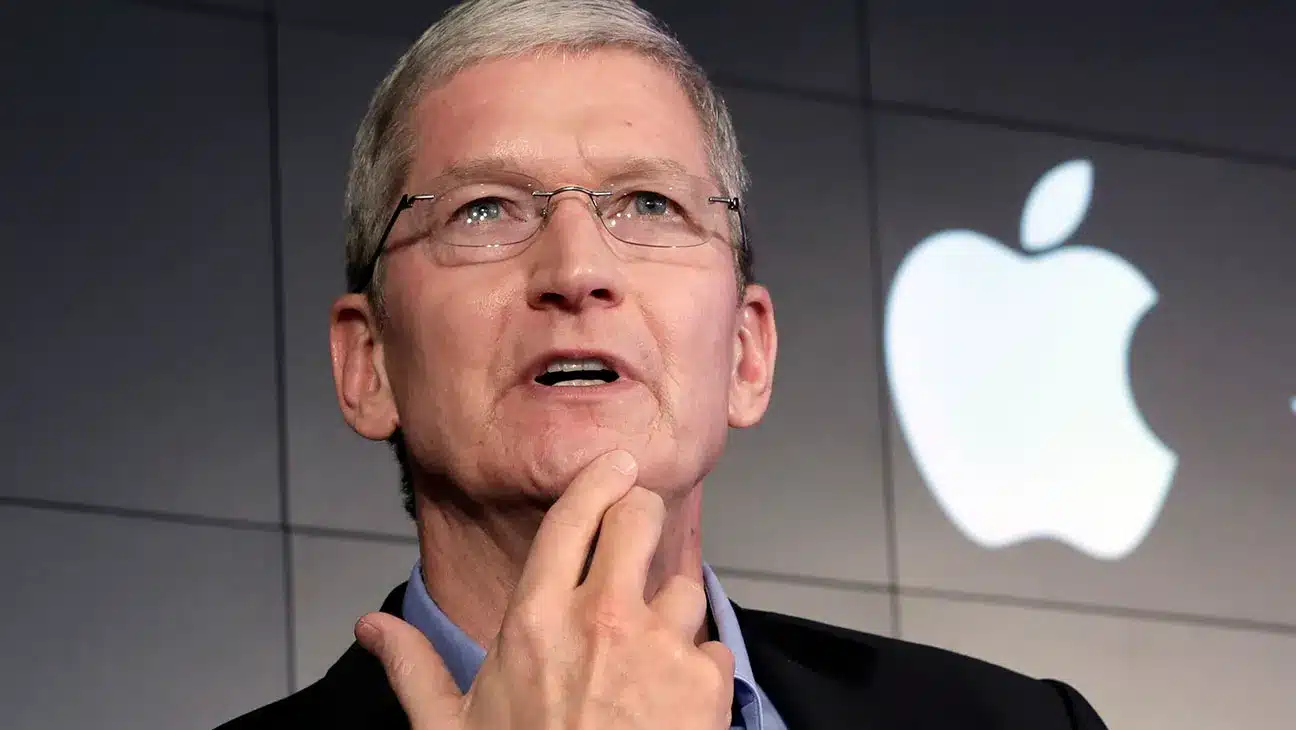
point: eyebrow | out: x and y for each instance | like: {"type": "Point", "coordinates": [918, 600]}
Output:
{"type": "Point", "coordinates": [623, 166]}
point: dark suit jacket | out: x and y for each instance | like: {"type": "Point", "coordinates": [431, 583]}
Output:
{"type": "Point", "coordinates": [819, 678]}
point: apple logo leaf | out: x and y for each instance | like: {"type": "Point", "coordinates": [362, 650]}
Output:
{"type": "Point", "coordinates": [1056, 205]}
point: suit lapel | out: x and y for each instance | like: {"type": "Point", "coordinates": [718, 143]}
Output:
{"type": "Point", "coordinates": [359, 677]}
{"type": "Point", "coordinates": [817, 677]}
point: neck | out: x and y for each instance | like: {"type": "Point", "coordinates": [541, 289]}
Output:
{"type": "Point", "coordinates": [472, 558]}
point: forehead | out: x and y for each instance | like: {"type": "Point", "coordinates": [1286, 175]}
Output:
{"type": "Point", "coordinates": [560, 117]}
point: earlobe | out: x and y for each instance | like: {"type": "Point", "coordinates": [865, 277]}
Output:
{"type": "Point", "coordinates": [358, 369]}
{"type": "Point", "coordinates": [755, 349]}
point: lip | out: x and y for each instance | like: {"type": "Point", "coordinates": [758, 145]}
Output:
{"type": "Point", "coordinates": [624, 370]}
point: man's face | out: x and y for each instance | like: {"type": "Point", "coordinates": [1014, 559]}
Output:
{"type": "Point", "coordinates": [463, 344]}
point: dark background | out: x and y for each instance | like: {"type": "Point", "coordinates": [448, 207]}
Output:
{"type": "Point", "coordinates": [189, 529]}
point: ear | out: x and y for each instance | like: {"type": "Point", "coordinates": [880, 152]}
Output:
{"type": "Point", "coordinates": [359, 373]}
{"type": "Point", "coordinates": [755, 347]}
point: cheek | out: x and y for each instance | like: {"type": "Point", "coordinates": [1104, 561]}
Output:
{"type": "Point", "coordinates": [698, 343]}
{"type": "Point", "coordinates": [446, 343]}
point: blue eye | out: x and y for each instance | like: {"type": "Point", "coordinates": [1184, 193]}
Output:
{"type": "Point", "coordinates": [482, 211]}
{"type": "Point", "coordinates": [651, 204]}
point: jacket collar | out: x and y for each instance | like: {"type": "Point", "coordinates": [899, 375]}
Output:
{"type": "Point", "coordinates": [359, 677]}
{"type": "Point", "coordinates": [817, 676]}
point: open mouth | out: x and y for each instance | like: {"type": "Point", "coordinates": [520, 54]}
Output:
{"type": "Point", "coordinates": [569, 372]}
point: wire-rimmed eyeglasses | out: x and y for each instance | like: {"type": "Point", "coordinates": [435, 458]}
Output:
{"type": "Point", "coordinates": [488, 218]}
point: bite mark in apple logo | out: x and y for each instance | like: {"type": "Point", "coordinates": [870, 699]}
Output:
{"type": "Point", "coordinates": [1009, 376]}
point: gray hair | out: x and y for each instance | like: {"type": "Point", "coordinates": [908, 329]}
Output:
{"type": "Point", "coordinates": [480, 30]}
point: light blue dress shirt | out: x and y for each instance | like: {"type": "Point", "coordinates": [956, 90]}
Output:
{"type": "Point", "coordinates": [463, 657]}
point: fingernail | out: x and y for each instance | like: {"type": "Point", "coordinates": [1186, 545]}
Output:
{"type": "Point", "coordinates": [622, 461]}
{"type": "Point", "coordinates": [366, 632]}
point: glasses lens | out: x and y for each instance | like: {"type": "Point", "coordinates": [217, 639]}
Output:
{"type": "Point", "coordinates": [477, 215]}
{"type": "Point", "coordinates": [484, 219]}
{"type": "Point", "coordinates": [665, 212]}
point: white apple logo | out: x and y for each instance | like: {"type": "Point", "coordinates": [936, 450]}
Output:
{"type": "Point", "coordinates": [1009, 376]}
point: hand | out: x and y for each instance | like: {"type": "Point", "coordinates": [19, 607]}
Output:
{"type": "Point", "coordinates": [575, 654]}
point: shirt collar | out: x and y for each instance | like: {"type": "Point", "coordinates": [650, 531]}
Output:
{"type": "Point", "coordinates": [463, 656]}
{"type": "Point", "coordinates": [730, 634]}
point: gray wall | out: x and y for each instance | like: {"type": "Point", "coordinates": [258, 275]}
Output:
{"type": "Point", "coordinates": [189, 529]}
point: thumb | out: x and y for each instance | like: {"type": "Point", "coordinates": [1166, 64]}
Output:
{"type": "Point", "coordinates": [416, 672]}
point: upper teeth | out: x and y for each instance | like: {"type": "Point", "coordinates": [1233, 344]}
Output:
{"type": "Point", "coordinates": [570, 365]}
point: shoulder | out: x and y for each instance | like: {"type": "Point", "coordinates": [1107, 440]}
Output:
{"type": "Point", "coordinates": [914, 683]}
{"type": "Point", "coordinates": [353, 694]}
{"type": "Point", "coordinates": [303, 708]}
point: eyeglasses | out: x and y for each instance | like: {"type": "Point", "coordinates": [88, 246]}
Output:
{"type": "Point", "coordinates": [488, 218]}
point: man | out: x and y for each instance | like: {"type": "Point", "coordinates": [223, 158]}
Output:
{"type": "Point", "coordinates": [552, 317]}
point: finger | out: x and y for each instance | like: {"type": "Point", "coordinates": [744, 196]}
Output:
{"type": "Point", "coordinates": [723, 658]}
{"type": "Point", "coordinates": [627, 542]}
{"type": "Point", "coordinates": [414, 670]}
{"type": "Point", "coordinates": [682, 604]}
{"type": "Point", "coordinates": [562, 544]}
{"type": "Point", "coordinates": [724, 661]}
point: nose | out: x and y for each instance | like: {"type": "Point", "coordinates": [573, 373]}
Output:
{"type": "Point", "coordinates": [573, 266]}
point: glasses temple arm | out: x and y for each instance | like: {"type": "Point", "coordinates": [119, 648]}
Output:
{"type": "Point", "coordinates": [366, 274]}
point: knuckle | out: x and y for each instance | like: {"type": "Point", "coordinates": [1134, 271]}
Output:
{"type": "Point", "coordinates": [528, 618]}
{"type": "Point", "coordinates": [684, 587]}
{"type": "Point", "coordinates": [680, 596]}
{"type": "Point", "coordinates": [711, 677]}
{"type": "Point", "coordinates": [713, 687]}
{"type": "Point", "coordinates": [400, 667]}
{"type": "Point", "coordinates": [605, 619]}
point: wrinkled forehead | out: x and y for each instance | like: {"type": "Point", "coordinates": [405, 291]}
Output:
{"type": "Point", "coordinates": [561, 118]}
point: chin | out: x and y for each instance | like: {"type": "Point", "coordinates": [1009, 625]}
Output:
{"type": "Point", "coordinates": [666, 466]}
{"type": "Point", "coordinates": [554, 461]}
